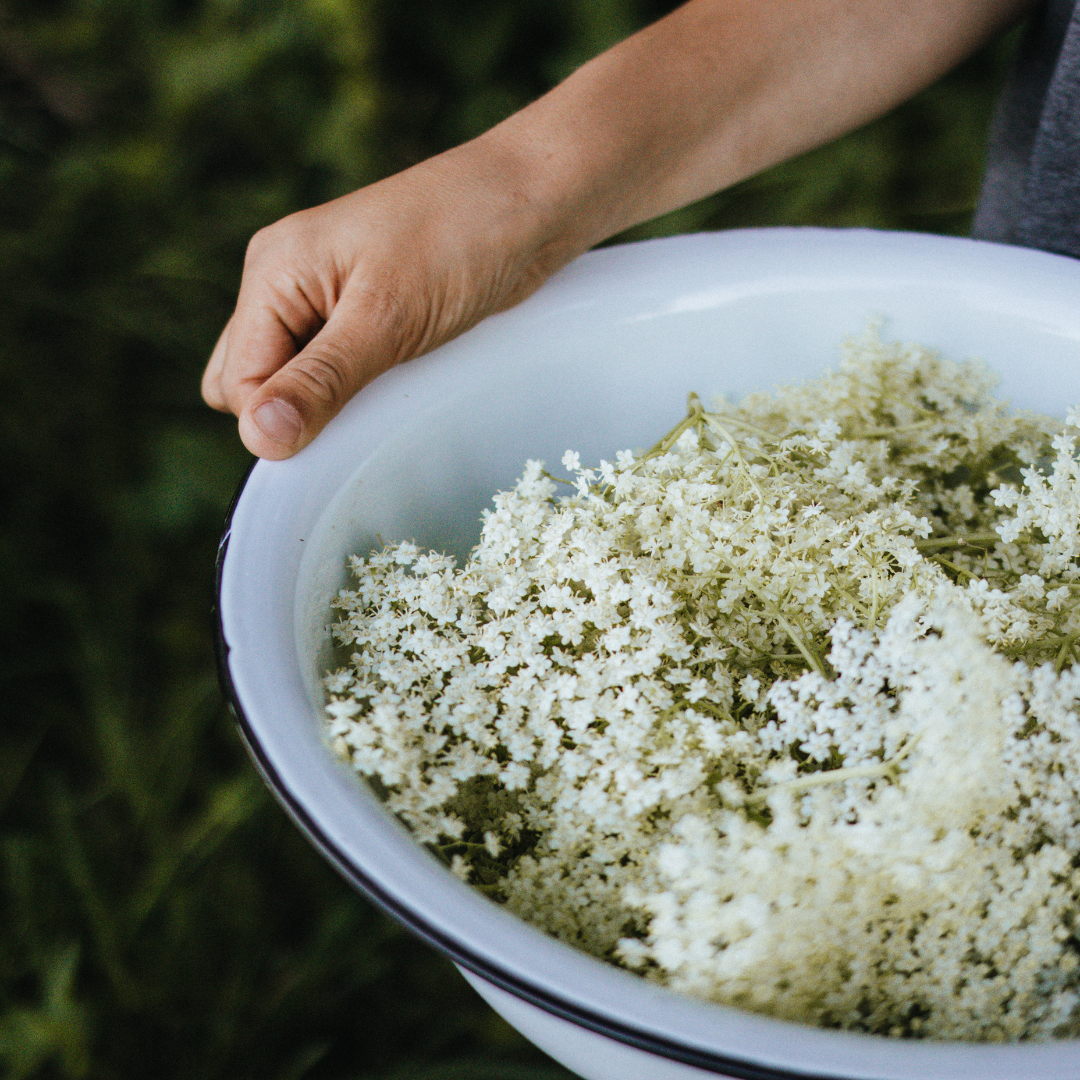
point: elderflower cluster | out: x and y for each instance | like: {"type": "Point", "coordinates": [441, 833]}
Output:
{"type": "Point", "coordinates": [782, 713]}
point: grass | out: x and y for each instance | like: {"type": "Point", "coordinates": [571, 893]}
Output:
{"type": "Point", "coordinates": [161, 915]}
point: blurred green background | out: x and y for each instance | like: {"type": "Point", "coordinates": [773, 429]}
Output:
{"type": "Point", "coordinates": [160, 915]}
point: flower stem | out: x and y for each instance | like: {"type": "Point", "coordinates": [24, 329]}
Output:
{"type": "Point", "coordinates": [797, 641]}
{"type": "Point", "coordinates": [938, 543]}
{"type": "Point", "coordinates": [730, 439]}
{"type": "Point", "coordinates": [838, 776]}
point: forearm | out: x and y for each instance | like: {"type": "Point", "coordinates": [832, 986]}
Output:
{"type": "Point", "coordinates": [720, 90]}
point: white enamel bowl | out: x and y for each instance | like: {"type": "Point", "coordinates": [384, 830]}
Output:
{"type": "Point", "coordinates": [599, 360]}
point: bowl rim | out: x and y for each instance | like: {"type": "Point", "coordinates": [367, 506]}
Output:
{"type": "Point", "coordinates": [991, 1059]}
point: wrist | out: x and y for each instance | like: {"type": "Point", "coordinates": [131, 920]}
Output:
{"type": "Point", "coordinates": [515, 212]}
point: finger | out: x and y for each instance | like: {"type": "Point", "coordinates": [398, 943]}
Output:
{"type": "Point", "coordinates": [288, 410]}
{"type": "Point", "coordinates": [212, 391]}
{"type": "Point", "coordinates": [255, 343]}
{"type": "Point", "coordinates": [258, 344]}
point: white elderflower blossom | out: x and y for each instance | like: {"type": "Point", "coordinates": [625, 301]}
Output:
{"type": "Point", "coordinates": [782, 712]}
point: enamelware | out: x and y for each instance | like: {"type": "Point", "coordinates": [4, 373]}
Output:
{"type": "Point", "coordinates": [600, 359]}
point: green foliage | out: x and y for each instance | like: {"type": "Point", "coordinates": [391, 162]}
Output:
{"type": "Point", "coordinates": [449, 69]}
{"type": "Point", "coordinates": [163, 917]}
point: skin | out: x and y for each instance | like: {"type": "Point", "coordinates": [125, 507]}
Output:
{"type": "Point", "coordinates": [715, 92]}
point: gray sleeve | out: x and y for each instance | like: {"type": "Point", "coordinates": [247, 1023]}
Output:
{"type": "Point", "coordinates": [1029, 193]}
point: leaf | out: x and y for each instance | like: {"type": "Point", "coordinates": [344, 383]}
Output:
{"type": "Point", "coordinates": [57, 1029]}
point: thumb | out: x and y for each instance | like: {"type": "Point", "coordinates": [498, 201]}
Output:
{"type": "Point", "coordinates": [291, 407]}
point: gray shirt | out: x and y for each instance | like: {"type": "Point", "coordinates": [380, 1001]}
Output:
{"type": "Point", "coordinates": [1031, 192]}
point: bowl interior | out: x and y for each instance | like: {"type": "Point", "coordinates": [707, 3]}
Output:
{"type": "Point", "coordinates": [599, 360]}
{"type": "Point", "coordinates": [599, 381]}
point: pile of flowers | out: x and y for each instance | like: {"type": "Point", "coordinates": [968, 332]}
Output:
{"type": "Point", "coordinates": [781, 713]}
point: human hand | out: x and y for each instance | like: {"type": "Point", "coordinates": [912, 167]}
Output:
{"type": "Point", "coordinates": [333, 296]}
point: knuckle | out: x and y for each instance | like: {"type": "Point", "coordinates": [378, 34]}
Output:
{"type": "Point", "coordinates": [324, 377]}
{"type": "Point", "coordinates": [398, 326]}
{"type": "Point", "coordinates": [258, 245]}
{"type": "Point", "coordinates": [268, 242]}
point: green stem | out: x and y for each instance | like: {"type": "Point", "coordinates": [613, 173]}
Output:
{"type": "Point", "coordinates": [937, 543]}
{"type": "Point", "coordinates": [770, 435]}
{"type": "Point", "coordinates": [837, 776]}
{"type": "Point", "coordinates": [942, 561]}
{"type": "Point", "coordinates": [885, 432]}
{"type": "Point", "coordinates": [712, 708]}
{"type": "Point", "coordinates": [557, 479]}
{"type": "Point", "coordinates": [725, 434]}
{"type": "Point", "coordinates": [797, 641]}
{"type": "Point", "coordinates": [854, 601]}
{"type": "Point", "coordinates": [694, 413]}
{"type": "Point", "coordinates": [1066, 648]}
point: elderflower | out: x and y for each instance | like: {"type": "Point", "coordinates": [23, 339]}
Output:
{"type": "Point", "coordinates": [782, 713]}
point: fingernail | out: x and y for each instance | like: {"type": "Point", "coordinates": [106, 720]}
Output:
{"type": "Point", "coordinates": [278, 420]}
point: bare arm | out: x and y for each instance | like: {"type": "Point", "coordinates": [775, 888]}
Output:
{"type": "Point", "coordinates": [711, 94]}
